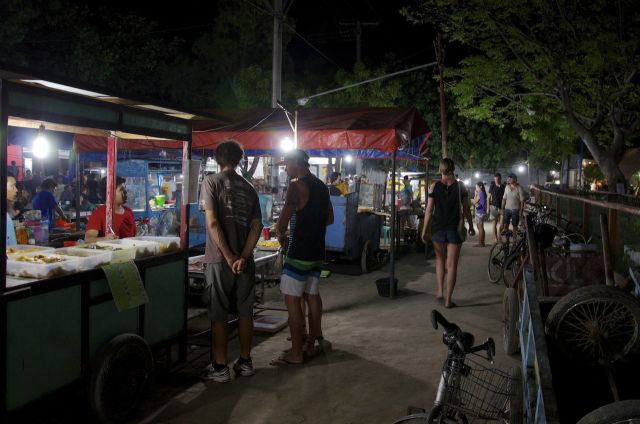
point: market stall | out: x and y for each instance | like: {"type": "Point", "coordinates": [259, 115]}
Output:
{"type": "Point", "coordinates": [366, 133]}
{"type": "Point", "coordinates": [101, 311]}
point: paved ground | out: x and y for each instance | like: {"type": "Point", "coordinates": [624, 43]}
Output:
{"type": "Point", "coordinates": [385, 356]}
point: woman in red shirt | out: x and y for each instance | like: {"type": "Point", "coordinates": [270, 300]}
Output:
{"type": "Point", "coordinates": [124, 224]}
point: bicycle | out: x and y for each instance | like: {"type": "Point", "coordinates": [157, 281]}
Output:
{"type": "Point", "coordinates": [505, 256]}
{"type": "Point", "coordinates": [467, 388]}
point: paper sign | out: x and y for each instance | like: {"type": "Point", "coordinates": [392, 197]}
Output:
{"type": "Point", "coordinates": [126, 285]}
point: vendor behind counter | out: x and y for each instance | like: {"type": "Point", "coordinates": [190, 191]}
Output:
{"type": "Point", "coordinates": [124, 224]}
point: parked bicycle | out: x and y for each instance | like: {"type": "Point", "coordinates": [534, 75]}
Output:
{"type": "Point", "coordinates": [467, 388]}
{"type": "Point", "coordinates": [506, 258]}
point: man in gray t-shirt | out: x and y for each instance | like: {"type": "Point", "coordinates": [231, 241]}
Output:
{"type": "Point", "coordinates": [233, 225]}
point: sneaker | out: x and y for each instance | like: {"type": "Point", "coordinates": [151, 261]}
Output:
{"type": "Point", "coordinates": [210, 373]}
{"type": "Point", "coordinates": [245, 369]}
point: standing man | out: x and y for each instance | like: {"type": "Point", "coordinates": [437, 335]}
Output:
{"type": "Point", "coordinates": [307, 208]}
{"type": "Point", "coordinates": [496, 192]}
{"type": "Point", "coordinates": [12, 192]}
{"type": "Point", "coordinates": [47, 203]}
{"type": "Point", "coordinates": [512, 203]}
{"type": "Point", "coordinates": [234, 223]}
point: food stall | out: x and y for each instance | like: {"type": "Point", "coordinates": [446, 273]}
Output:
{"type": "Point", "coordinates": [99, 314]}
{"type": "Point", "coordinates": [366, 133]}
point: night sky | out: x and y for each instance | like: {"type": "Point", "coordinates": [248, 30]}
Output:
{"type": "Point", "coordinates": [318, 21]}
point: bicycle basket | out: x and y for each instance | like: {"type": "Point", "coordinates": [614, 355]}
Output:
{"type": "Point", "coordinates": [476, 390]}
{"type": "Point", "coordinates": [545, 233]}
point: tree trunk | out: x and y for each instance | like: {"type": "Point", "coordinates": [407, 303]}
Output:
{"type": "Point", "coordinates": [608, 159]}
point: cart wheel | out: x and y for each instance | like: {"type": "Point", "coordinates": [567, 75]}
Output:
{"type": "Point", "coordinates": [119, 378]}
{"type": "Point", "coordinates": [595, 324]}
{"type": "Point", "coordinates": [625, 411]}
{"type": "Point", "coordinates": [516, 400]}
{"type": "Point", "coordinates": [510, 316]}
{"type": "Point", "coordinates": [496, 261]}
{"type": "Point", "coordinates": [414, 419]}
{"type": "Point", "coordinates": [446, 415]}
{"type": "Point", "coordinates": [367, 258]}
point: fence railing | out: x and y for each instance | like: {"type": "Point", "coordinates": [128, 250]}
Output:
{"type": "Point", "coordinates": [584, 209]}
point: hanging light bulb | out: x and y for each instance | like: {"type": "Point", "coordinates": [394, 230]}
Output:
{"type": "Point", "coordinates": [40, 144]}
{"type": "Point", "coordinates": [348, 158]}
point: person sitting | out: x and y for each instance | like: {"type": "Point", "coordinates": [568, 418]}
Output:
{"type": "Point", "coordinates": [124, 224]}
{"type": "Point", "coordinates": [337, 186]}
{"type": "Point", "coordinates": [67, 199]}
{"type": "Point", "coordinates": [11, 197]}
{"type": "Point", "coordinates": [47, 204]}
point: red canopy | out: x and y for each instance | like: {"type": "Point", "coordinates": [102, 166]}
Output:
{"type": "Point", "coordinates": [382, 129]}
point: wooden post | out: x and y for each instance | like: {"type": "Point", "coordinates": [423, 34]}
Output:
{"type": "Point", "coordinates": [586, 219]}
{"type": "Point", "coordinates": [606, 251]}
{"type": "Point", "coordinates": [613, 234]}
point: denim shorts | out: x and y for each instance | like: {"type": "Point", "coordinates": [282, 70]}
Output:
{"type": "Point", "coordinates": [446, 236]}
{"type": "Point", "coordinates": [513, 216]}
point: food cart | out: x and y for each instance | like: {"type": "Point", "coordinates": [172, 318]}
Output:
{"type": "Point", "coordinates": [61, 327]}
{"type": "Point", "coordinates": [356, 230]}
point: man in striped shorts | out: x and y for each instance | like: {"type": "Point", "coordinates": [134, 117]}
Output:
{"type": "Point", "coordinates": [307, 211]}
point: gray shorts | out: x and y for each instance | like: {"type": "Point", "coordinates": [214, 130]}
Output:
{"type": "Point", "coordinates": [227, 293]}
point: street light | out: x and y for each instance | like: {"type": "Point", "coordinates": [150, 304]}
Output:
{"type": "Point", "coordinates": [40, 144]}
{"type": "Point", "coordinates": [521, 169]}
{"type": "Point", "coordinates": [477, 174]}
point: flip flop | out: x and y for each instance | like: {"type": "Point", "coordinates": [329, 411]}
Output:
{"type": "Point", "coordinates": [439, 298]}
{"type": "Point", "coordinates": [450, 305]}
{"type": "Point", "coordinates": [282, 360]}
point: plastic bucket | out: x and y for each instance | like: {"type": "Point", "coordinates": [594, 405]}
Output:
{"type": "Point", "coordinates": [383, 286]}
{"type": "Point", "coordinates": [160, 199]}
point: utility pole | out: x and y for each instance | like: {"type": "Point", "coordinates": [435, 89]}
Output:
{"type": "Point", "coordinates": [357, 30]}
{"type": "Point", "coordinates": [276, 74]}
{"type": "Point", "coordinates": [443, 105]}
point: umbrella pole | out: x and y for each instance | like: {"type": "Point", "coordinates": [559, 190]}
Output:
{"type": "Point", "coordinates": [392, 255]}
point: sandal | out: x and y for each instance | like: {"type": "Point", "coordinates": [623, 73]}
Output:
{"type": "Point", "coordinates": [450, 305]}
{"type": "Point", "coordinates": [282, 360]}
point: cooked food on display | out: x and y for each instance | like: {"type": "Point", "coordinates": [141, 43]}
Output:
{"type": "Point", "coordinates": [40, 259]}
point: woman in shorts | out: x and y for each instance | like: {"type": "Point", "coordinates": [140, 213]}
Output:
{"type": "Point", "coordinates": [442, 215]}
{"type": "Point", "coordinates": [480, 203]}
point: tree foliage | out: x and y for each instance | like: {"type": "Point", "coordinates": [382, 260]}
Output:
{"type": "Point", "coordinates": [548, 66]}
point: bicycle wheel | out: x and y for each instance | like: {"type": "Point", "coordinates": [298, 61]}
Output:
{"type": "Point", "coordinates": [516, 396]}
{"type": "Point", "coordinates": [510, 315]}
{"type": "Point", "coordinates": [496, 261]}
{"type": "Point", "coordinates": [414, 419]}
{"type": "Point", "coordinates": [440, 415]}
{"type": "Point", "coordinates": [596, 324]}
{"type": "Point", "coordinates": [622, 412]}
{"type": "Point", "coordinates": [510, 271]}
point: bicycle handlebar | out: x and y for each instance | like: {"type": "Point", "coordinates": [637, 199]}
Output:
{"type": "Point", "coordinates": [456, 336]}
{"type": "Point", "coordinates": [437, 317]}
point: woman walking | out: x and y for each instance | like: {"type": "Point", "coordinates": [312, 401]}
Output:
{"type": "Point", "coordinates": [480, 202]}
{"type": "Point", "coordinates": [443, 216]}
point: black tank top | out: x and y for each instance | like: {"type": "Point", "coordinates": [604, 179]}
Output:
{"type": "Point", "coordinates": [309, 224]}
{"type": "Point", "coordinates": [447, 205]}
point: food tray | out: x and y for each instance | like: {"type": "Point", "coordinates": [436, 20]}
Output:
{"type": "Point", "coordinates": [118, 253]}
{"type": "Point", "coordinates": [268, 245]}
{"type": "Point", "coordinates": [28, 269]}
{"type": "Point", "coordinates": [167, 244]}
{"type": "Point", "coordinates": [88, 259]}
{"type": "Point", "coordinates": [143, 248]}
{"type": "Point", "coordinates": [21, 249]}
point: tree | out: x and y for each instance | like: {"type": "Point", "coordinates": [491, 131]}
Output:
{"type": "Point", "coordinates": [535, 61]}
